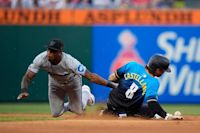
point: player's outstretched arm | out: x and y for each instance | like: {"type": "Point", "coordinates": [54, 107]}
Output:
{"type": "Point", "coordinates": [158, 112]}
{"type": "Point", "coordinates": [25, 83]}
{"type": "Point", "coordinates": [93, 77]}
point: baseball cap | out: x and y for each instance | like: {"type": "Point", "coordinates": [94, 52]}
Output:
{"type": "Point", "coordinates": [56, 45]}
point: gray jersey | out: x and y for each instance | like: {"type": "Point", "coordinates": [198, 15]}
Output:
{"type": "Point", "coordinates": [67, 69]}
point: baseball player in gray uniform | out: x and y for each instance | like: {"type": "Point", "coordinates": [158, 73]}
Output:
{"type": "Point", "coordinates": [64, 79]}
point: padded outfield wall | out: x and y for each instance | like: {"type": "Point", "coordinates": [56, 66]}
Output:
{"type": "Point", "coordinates": [20, 44]}
{"type": "Point", "coordinates": [103, 40]}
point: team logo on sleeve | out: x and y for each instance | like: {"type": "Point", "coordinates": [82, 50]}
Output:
{"type": "Point", "coordinates": [81, 69]}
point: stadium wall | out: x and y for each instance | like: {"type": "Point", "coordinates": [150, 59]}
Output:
{"type": "Point", "coordinates": [20, 44]}
{"type": "Point", "coordinates": [99, 38]}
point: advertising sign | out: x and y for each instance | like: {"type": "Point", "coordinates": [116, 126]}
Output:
{"type": "Point", "coordinates": [114, 46]}
{"type": "Point", "coordinates": [93, 17]}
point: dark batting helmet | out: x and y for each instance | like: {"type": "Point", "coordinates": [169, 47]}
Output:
{"type": "Point", "coordinates": [56, 45]}
{"type": "Point", "coordinates": [158, 61]}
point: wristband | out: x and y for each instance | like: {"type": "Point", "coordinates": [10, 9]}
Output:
{"type": "Point", "coordinates": [111, 84]}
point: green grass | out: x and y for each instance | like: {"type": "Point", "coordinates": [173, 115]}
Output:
{"type": "Point", "coordinates": [27, 108]}
{"type": "Point", "coordinates": [185, 109]}
{"type": "Point", "coordinates": [8, 109]}
{"type": "Point", "coordinates": [6, 119]}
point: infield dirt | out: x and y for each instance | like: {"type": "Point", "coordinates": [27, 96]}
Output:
{"type": "Point", "coordinates": [96, 124]}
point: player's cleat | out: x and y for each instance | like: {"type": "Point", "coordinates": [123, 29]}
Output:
{"type": "Point", "coordinates": [157, 117]}
{"type": "Point", "coordinates": [91, 99]}
{"type": "Point", "coordinates": [122, 115]}
{"type": "Point", "coordinates": [101, 113]}
{"type": "Point", "coordinates": [105, 112]}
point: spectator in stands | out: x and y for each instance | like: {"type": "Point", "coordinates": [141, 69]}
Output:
{"type": "Point", "coordinates": [122, 4]}
{"type": "Point", "coordinates": [5, 3]}
{"type": "Point", "coordinates": [179, 4]}
{"type": "Point", "coordinates": [57, 4]}
{"type": "Point", "coordinates": [52, 4]}
{"type": "Point", "coordinates": [102, 4]}
{"type": "Point", "coordinates": [99, 4]}
{"type": "Point", "coordinates": [73, 3]}
{"type": "Point", "coordinates": [138, 4]}
{"type": "Point", "coordinates": [85, 4]}
{"type": "Point", "coordinates": [22, 4]}
{"type": "Point", "coordinates": [162, 3]}
{"type": "Point", "coordinates": [43, 3]}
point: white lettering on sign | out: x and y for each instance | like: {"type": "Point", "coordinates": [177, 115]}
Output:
{"type": "Point", "coordinates": [166, 41]}
{"type": "Point", "coordinates": [179, 49]}
{"type": "Point", "coordinates": [186, 78]}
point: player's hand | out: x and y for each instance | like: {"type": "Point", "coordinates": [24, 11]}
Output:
{"type": "Point", "coordinates": [22, 95]}
{"type": "Point", "coordinates": [173, 117]}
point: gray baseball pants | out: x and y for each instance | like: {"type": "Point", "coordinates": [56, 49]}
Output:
{"type": "Point", "coordinates": [57, 93]}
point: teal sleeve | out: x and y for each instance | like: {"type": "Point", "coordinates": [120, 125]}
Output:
{"type": "Point", "coordinates": [152, 91]}
{"type": "Point", "coordinates": [122, 70]}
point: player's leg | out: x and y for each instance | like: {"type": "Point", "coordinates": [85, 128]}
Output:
{"type": "Point", "coordinates": [87, 97]}
{"type": "Point", "coordinates": [110, 110]}
{"type": "Point", "coordinates": [56, 100]}
{"type": "Point", "coordinates": [74, 93]}
{"type": "Point", "coordinates": [144, 111]}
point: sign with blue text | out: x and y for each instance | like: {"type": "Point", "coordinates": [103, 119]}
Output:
{"type": "Point", "coordinates": [114, 46]}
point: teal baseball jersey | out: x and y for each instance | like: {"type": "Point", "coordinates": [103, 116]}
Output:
{"type": "Point", "coordinates": [135, 84]}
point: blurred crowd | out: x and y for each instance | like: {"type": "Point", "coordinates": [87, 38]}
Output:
{"type": "Point", "coordinates": [100, 4]}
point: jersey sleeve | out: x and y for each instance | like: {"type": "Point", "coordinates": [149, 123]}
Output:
{"type": "Point", "coordinates": [36, 64]}
{"type": "Point", "coordinates": [119, 73]}
{"type": "Point", "coordinates": [81, 69]}
{"type": "Point", "coordinates": [76, 66]}
{"type": "Point", "coordinates": [152, 91]}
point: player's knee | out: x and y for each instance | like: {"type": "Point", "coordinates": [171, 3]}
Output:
{"type": "Point", "coordinates": [79, 111]}
{"type": "Point", "coordinates": [56, 115]}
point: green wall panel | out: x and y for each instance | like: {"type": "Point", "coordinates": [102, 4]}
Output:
{"type": "Point", "coordinates": [19, 46]}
